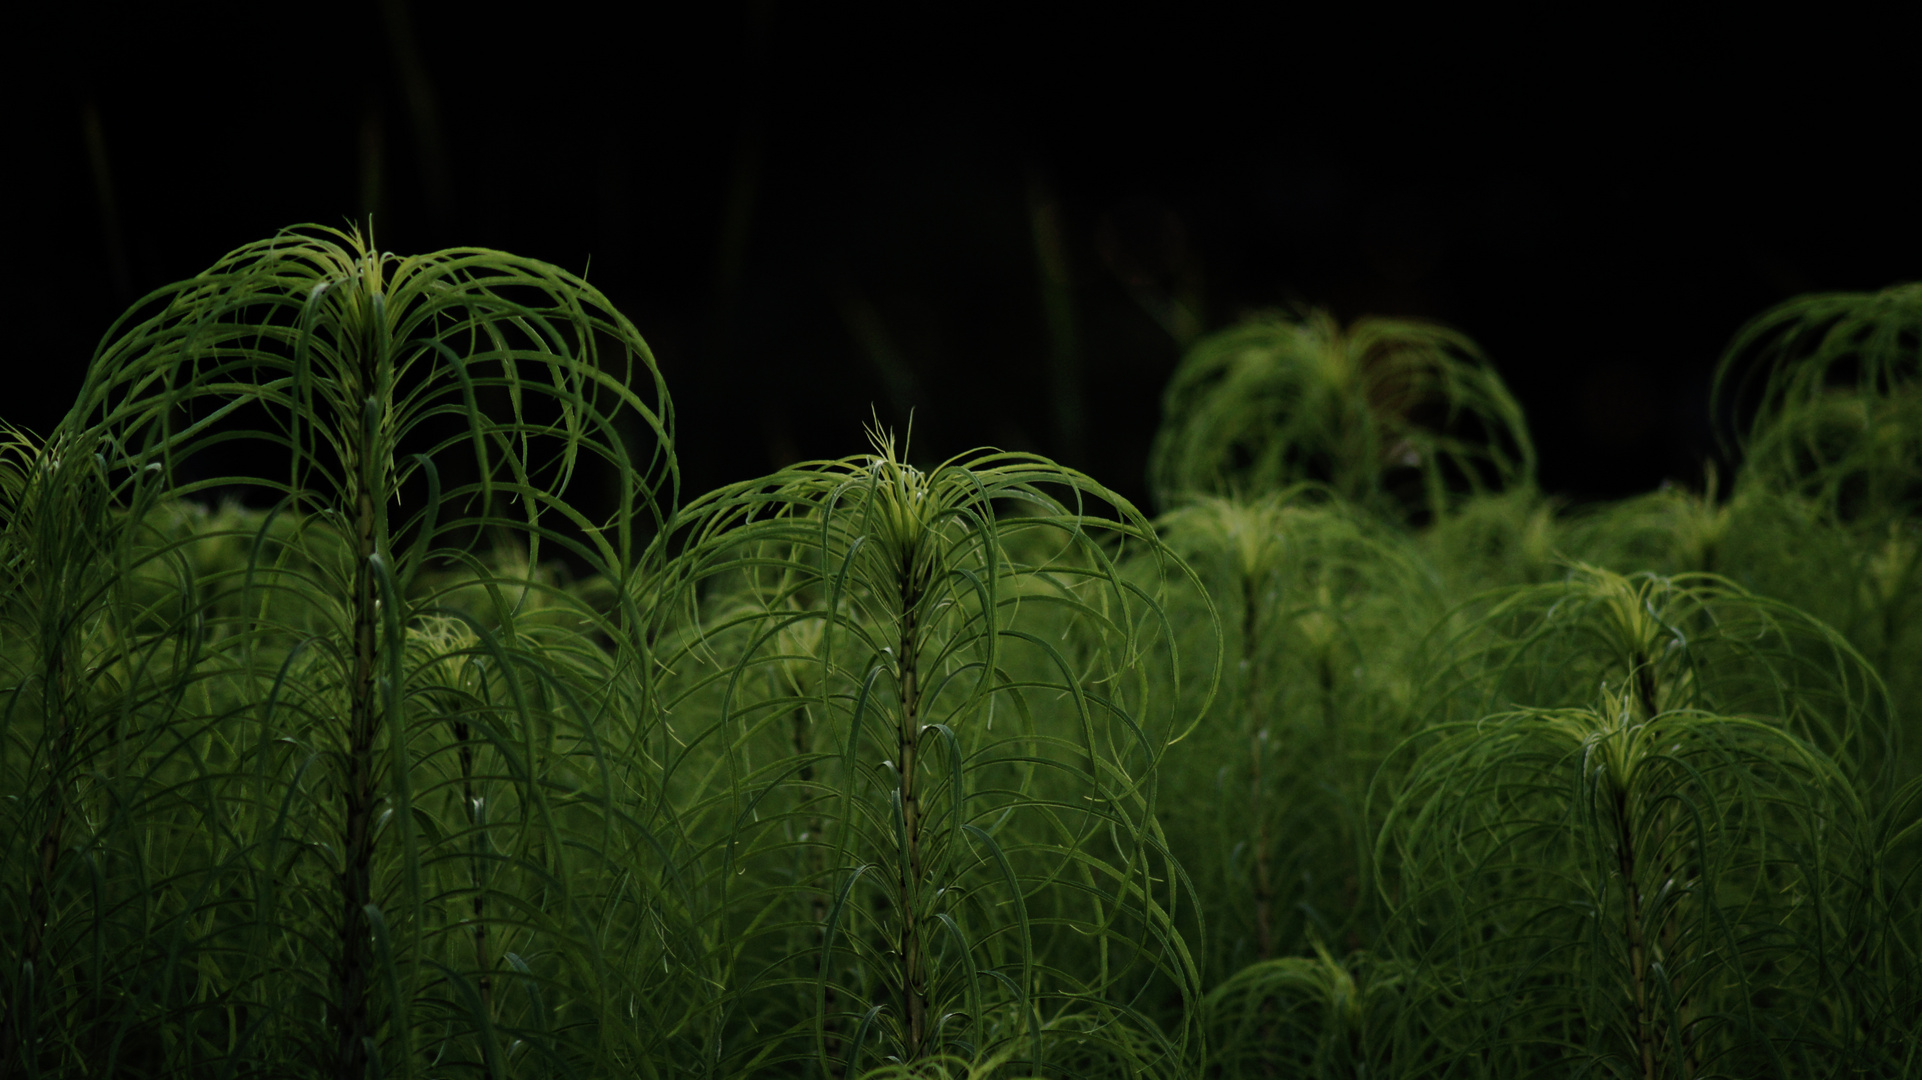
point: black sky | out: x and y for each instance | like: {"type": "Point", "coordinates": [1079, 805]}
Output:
{"type": "Point", "coordinates": [814, 212]}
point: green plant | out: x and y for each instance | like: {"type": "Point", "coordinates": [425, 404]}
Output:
{"type": "Point", "coordinates": [1687, 642]}
{"type": "Point", "coordinates": [1308, 1016]}
{"type": "Point", "coordinates": [1614, 891]}
{"type": "Point", "coordinates": [1396, 415]}
{"type": "Point", "coordinates": [369, 706]}
{"type": "Point", "coordinates": [912, 717]}
{"type": "Point", "coordinates": [1677, 879]}
{"type": "Point", "coordinates": [1323, 610]}
{"type": "Point", "coordinates": [316, 788]}
{"type": "Point", "coordinates": [1494, 540]}
{"type": "Point", "coordinates": [1832, 386]}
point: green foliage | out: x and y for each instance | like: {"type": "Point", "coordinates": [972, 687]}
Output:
{"type": "Point", "coordinates": [1831, 385]}
{"type": "Point", "coordinates": [1606, 891]}
{"type": "Point", "coordinates": [1834, 385]}
{"type": "Point", "coordinates": [1396, 415]}
{"type": "Point", "coordinates": [1685, 642]}
{"type": "Point", "coordinates": [370, 706]}
{"type": "Point", "coordinates": [1323, 610]}
{"type": "Point", "coordinates": [294, 802]}
{"type": "Point", "coordinates": [1307, 1016]}
{"type": "Point", "coordinates": [1504, 538]}
{"type": "Point", "coordinates": [910, 716]}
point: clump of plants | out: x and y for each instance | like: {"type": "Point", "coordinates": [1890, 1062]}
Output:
{"type": "Point", "coordinates": [372, 704]}
{"type": "Point", "coordinates": [1398, 416]}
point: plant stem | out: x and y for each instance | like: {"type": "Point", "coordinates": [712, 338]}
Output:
{"type": "Point", "coordinates": [359, 794]}
{"type": "Point", "coordinates": [913, 1001]}
{"type": "Point", "coordinates": [1645, 689]}
{"type": "Point", "coordinates": [1637, 952]}
{"type": "Point", "coordinates": [356, 887]}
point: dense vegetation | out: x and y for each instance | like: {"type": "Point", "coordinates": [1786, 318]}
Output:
{"type": "Point", "coordinates": [372, 704]}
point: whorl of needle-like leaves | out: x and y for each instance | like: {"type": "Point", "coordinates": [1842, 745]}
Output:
{"type": "Point", "coordinates": [911, 711]}
{"type": "Point", "coordinates": [1824, 393]}
{"type": "Point", "coordinates": [1687, 641]}
{"type": "Point", "coordinates": [1399, 415]}
{"type": "Point", "coordinates": [340, 762]}
{"type": "Point", "coordinates": [474, 392]}
{"type": "Point", "coordinates": [1601, 891]}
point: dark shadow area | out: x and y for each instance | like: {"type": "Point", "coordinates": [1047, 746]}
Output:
{"type": "Point", "coordinates": [1003, 225]}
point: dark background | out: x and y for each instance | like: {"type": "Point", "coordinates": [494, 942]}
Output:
{"type": "Point", "coordinates": [1004, 219]}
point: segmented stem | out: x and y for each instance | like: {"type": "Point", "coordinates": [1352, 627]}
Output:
{"type": "Point", "coordinates": [913, 963]}
{"type": "Point", "coordinates": [359, 795]}
{"type": "Point", "coordinates": [1632, 926]}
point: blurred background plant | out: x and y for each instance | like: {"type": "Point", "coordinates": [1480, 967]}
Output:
{"type": "Point", "coordinates": [1822, 393]}
{"type": "Point", "coordinates": [1322, 608]}
{"type": "Point", "coordinates": [1401, 417]}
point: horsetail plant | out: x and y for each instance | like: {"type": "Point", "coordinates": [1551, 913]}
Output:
{"type": "Point", "coordinates": [344, 801]}
{"type": "Point", "coordinates": [370, 707]}
{"type": "Point", "coordinates": [1676, 880]}
{"type": "Point", "coordinates": [1831, 388]}
{"type": "Point", "coordinates": [1825, 394]}
{"type": "Point", "coordinates": [1323, 608]}
{"type": "Point", "coordinates": [1690, 641]}
{"type": "Point", "coordinates": [1312, 1016]}
{"type": "Point", "coordinates": [918, 706]}
{"type": "Point", "coordinates": [1399, 416]}
{"type": "Point", "coordinates": [1610, 891]}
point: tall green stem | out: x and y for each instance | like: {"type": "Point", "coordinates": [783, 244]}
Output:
{"type": "Point", "coordinates": [1647, 691]}
{"type": "Point", "coordinates": [1647, 696]}
{"type": "Point", "coordinates": [359, 794]}
{"type": "Point", "coordinates": [913, 973]}
{"type": "Point", "coordinates": [1632, 925]}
